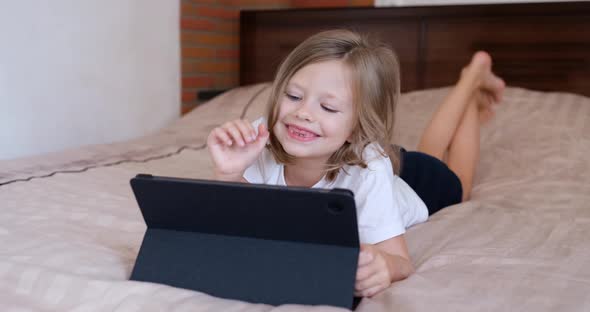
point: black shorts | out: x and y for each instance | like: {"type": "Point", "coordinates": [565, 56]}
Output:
{"type": "Point", "coordinates": [436, 184]}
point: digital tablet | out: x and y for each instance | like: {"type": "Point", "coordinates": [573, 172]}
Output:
{"type": "Point", "coordinates": [252, 242]}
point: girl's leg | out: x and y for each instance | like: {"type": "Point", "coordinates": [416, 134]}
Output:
{"type": "Point", "coordinates": [463, 152]}
{"type": "Point", "coordinates": [453, 133]}
{"type": "Point", "coordinates": [441, 129]}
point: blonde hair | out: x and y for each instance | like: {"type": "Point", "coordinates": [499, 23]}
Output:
{"type": "Point", "coordinates": [375, 87]}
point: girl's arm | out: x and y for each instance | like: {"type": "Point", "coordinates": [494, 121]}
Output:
{"type": "Point", "coordinates": [382, 264]}
{"type": "Point", "coordinates": [396, 251]}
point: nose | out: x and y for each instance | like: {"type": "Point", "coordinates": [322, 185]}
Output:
{"type": "Point", "coordinates": [303, 112]}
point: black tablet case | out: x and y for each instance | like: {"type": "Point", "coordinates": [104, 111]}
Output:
{"type": "Point", "coordinates": [257, 243]}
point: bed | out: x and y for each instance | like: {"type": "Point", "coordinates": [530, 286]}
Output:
{"type": "Point", "coordinates": [70, 228]}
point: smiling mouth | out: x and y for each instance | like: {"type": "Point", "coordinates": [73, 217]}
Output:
{"type": "Point", "coordinates": [300, 133]}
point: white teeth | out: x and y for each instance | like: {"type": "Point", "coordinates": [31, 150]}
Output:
{"type": "Point", "coordinates": [301, 133]}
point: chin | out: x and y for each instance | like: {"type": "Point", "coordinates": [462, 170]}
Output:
{"type": "Point", "coordinates": [296, 151]}
{"type": "Point", "coordinates": [303, 151]}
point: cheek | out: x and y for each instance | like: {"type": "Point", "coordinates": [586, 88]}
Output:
{"type": "Point", "coordinates": [281, 113]}
{"type": "Point", "coordinates": [335, 131]}
{"type": "Point", "coordinates": [341, 128]}
{"type": "Point", "coordinates": [283, 109]}
{"type": "Point", "coordinates": [350, 125]}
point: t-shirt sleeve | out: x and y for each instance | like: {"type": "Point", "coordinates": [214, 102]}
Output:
{"type": "Point", "coordinates": [415, 210]}
{"type": "Point", "coordinates": [379, 213]}
{"type": "Point", "coordinates": [253, 174]}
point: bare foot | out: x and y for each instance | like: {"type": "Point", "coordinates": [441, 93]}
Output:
{"type": "Point", "coordinates": [490, 87]}
{"type": "Point", "coordinates": [485, 107]}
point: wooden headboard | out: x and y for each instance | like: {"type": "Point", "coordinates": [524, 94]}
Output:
{"type": "Point", "coordinates": [541, 46]}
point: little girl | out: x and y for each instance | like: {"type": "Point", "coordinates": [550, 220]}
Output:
{"type": "Point", "coordinates": [330, 124]}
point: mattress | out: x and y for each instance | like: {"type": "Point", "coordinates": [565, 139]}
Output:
{"type": "Point", "coordinates": [70, 228]}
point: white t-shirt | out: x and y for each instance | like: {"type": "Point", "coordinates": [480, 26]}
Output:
{"type": "Point", "coordinates": [386, 205]}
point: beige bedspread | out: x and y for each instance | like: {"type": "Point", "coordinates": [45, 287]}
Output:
{"type": "Point", "coordinates": [68, 241]}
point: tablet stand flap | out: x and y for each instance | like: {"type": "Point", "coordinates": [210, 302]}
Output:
{"type": "Point", "coordinates": [248, 269]}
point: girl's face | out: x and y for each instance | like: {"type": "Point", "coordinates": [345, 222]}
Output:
{"type": "Point", "coordinates": [316, 114]}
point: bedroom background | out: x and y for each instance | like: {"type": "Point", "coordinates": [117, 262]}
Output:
{"type": "Point", "coordinates": [210, 36]}
{"type": "Point", "coordinates": [75, 74]}
{"type": "Point", "coordinates": [79, 73]}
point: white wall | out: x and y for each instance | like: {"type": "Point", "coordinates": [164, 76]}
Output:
{"type": "Point", "coordinates": [77, 72]}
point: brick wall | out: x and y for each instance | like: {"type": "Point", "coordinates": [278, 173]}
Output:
{"type": "Point", "coordinates": [210, 40]}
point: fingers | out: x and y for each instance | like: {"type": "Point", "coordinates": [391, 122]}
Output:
{"type": "Point", "coordinates": [237, 131]}
{"type": "Point", "coordinates": [221, 136]}
{"type": "Point", "coordinates": [365, 257]}
{"type": "Point", "coordinates": [262, 137]}
{"type": "Point", "coordinates": [234, 132]}
{"type": "Point", "coordinates": [370, 291]}
{"type": "Point", "coordinates": [262, 131]}
{"type": "Point", "coordinates": [364, 272]}
{"type": "Point", "coordinates": [365, 269]}
{"type": "Point", "coordinates": [370, 281]}
{"type": "Point", "coordinates": [246, 130]}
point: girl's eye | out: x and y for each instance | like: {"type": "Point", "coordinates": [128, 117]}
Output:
{"type": "Point", "coordinates": [329, 110]}
{"type": "Point", "coordinates": [292, 97]}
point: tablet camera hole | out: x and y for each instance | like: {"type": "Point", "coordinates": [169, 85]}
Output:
{"type": "Point", "coordinates": [335, 207]}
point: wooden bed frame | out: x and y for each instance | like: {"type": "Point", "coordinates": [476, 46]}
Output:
{"type": "Point", "coordinates": [541, 46]}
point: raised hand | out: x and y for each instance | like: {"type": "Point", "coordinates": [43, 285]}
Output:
{"type": "Point", "coordinates": [234, 146]}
